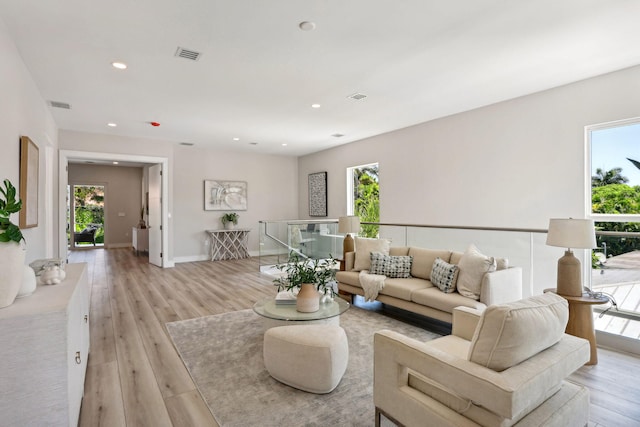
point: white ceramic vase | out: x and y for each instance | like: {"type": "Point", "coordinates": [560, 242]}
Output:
{"type": "Point", "coordinates": [308, 299]}
{"type": "Point", "coordinates": [229, 225]}
{"type": "Point", "coordinates": [12, 257]}
{"type": "Point", "coordinates": [28, 282]}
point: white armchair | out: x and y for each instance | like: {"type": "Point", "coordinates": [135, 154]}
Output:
{"type": "Point", "coordinates": [504, 367]}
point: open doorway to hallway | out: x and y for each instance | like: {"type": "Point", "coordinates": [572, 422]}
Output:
{"type": "Point", "coordinates": [85, 216]}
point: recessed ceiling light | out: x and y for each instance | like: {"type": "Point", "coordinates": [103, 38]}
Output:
{"type": "Point", "coordinates": [337, 135]}
{"type": "Point", "coordinates": [284, 144]}
{"type": "Point", "coordinates": [115, 163]}
{"type": "Point", "coordinates": [119, 65]}
{"type": "Point", "coordinates": [112, 125]}
{"type": "Point", "coordinates": [307, 26]}
{"type": "Point", "coordinates": [315, 105]}
{"type": "Point", "coordinates": [253, 143]}
{"type": "Point", "coordinates": [236, 139]}
{"type": "Point", "coordinates": [187, 144]}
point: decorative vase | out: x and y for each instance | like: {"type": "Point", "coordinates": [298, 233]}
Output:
{"type": "Point", "coordinates": [308, 300]}
{"type": "Point", "coordinates": [12, 257]}
{"type": "Point", "coordinates": [229, 225]}
{"type": "Point", "coordinates": [28, 283]}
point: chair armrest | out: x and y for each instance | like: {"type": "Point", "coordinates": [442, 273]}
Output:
{"type": "Point", "coordinates": [501, 286]}
{"type": "Point", "coordinates": [465, 320]}
{"type": "Point", "coordinates": [349, 260]}
{"type": "Point", "coordinates": [507, 393]}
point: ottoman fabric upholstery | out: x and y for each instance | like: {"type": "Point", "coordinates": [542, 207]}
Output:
{"type": "Point", "coordinates": [312, 358]}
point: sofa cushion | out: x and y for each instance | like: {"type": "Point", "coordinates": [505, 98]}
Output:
{"type": "Point", "coordinates": [364, 247]}
{"type": "Point", "coordinates": [508, 334]}
{"type": "Point", "coordinates": [434, 298]}
{"type": "Point", "coordinates": [390, 266]}
{"type": "Point", "coordinates": [502, 263]}
{"type": "Point", "coordinates": [399, 251]}
{"type": "Point", "coordinates": [403, 288]}
{"type": "Point", "coordinates": [423, 261]}
{"type": "Point", "coordinates": [473, 266]}
{"type": "Point", "coordinates": [455, 257]}
{"type": "Point", "coordinates": [444, 275]}
{"type": "Point", "coordinates": [349, 277]}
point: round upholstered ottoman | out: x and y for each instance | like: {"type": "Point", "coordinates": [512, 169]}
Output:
{"type": "Point", "coordinates": [312, 358]}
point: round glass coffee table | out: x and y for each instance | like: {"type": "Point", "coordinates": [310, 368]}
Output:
{"type": "Point", "coordinates": [286, 314]}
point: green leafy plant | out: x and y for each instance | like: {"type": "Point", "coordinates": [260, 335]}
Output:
{"type": "Point", "coordinates": [230, 217]}
{"type": "Point", "coordinates": [298, 270]}
{"type": "Point", "coordinates": [9, 205]}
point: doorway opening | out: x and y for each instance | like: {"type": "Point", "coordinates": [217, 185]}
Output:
{"type": "Point", "coordinates": [85, 216]}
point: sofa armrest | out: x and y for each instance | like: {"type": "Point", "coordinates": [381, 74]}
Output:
{"type": "Point", "coordinates": [349, 260]}
{"type": "Point", "coordinates": [501, 286]}
{"type": "Point", "coordinates": [465, 321]}
{"type": "Point", "coordinates": [508, 393]}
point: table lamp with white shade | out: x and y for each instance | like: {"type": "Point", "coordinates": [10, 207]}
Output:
{"type": "Point", "coordinates": [570, 233]}
{"type": "Point", "coordinates": [348, 225]}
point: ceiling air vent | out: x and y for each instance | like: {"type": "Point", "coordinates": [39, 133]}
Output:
{"type": "Point", "coordinates": [56, 104]}
{"type": "Point", "coordinates": [357, 96]}
{"type": "Point", "coordinates": [187, 54]}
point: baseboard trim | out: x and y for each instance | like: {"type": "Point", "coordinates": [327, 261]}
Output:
{"type": "Point", "coordinates": [117, 245]}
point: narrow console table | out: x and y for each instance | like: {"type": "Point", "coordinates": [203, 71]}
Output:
{"type": "Point", "coordinates": [229, 244]}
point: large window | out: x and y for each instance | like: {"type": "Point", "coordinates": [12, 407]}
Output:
{"type": "Point", "coordinates": [363, 196]}
{"type": "Point", "coordinates": [614, 203]}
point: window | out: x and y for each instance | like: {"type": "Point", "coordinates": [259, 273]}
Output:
{"type": "Point", "coordinates": [613, 187]}
{"type": "Point", "coordinates": [363, 196]}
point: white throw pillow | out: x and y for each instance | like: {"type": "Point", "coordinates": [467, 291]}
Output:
{"type": "Point", "coordinates": [508, 334]}
{"type": "Point", "coordinates": [364, 247]}
{"type": "Point", "coordinates": [473, 266]}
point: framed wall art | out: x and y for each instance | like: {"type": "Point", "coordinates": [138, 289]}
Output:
{"type": "Point", "coordinates": [318, 194]}
{"type": "Point", "coordinates": [29, 164]}
{"type": "Point", "coordinates": [225, 195]}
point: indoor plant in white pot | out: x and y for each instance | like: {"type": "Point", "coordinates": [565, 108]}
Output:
{"type": "Point", "coordinates": [229, 220]}
{"type": "Point", "coordinates": [12, 253]}
{"type": "Point", "coordinates": [308, 277]}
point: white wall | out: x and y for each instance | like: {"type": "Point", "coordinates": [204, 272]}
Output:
{"type": "Point", "coordinates": [23, 111]}
{"type": "Point", "coordinates": [272, 189]}
{"type": "Point", "coordinates": [123, 195]}
{"type": "Point", "coordinates": [513, 164]}
{"type": "Point", "coordinates": [272, 185]}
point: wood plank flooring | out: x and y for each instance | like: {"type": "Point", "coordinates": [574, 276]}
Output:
{"type": "Point", "coordinates": [136, 378]}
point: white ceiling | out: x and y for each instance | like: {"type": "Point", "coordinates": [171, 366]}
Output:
{"type": "Point", "coordinates": [258, 74]}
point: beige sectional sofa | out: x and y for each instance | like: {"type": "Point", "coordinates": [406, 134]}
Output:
{"type": "Point", "coordinates": [417, 293]}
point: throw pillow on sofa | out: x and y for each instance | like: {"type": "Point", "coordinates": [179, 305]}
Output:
{"type": "Point", "coordinates": [397, 267]}
{"type": "Point", "coordinates": [444, 275]}
{"type": "Point", "coordinates": [473, 266]}
{"type": "Point", "coordinates": [364, 247]}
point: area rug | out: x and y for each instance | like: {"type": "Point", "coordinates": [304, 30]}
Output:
{"type": "Point", "coordinates": [223, 354]}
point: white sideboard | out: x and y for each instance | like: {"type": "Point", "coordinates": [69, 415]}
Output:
{"type": "Point", "coordinates": [44, 345]}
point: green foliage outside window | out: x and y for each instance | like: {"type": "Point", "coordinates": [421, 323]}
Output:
{"type": "Point", "coordinates": [367, 198]}
{"type": "Point", "coordinates": [89, 209]}
{"type": "Point", "coordinates": [610, 195]}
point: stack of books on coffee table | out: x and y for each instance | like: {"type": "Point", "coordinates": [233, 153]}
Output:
{"type": "Point", "coordinates": [285, 298]}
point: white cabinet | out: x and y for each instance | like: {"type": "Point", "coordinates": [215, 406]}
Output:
{"type": "Point", "coordinates": [140, 238]}
{"type": "Point", "coordinates": [44, 346]}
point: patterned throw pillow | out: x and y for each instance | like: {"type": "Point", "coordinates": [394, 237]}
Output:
{"type": "Point", "coordinates": [396, 267]}
{"type": "Point", "coordinates": [444, 275]}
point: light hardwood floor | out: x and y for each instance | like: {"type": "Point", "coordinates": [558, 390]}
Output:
{"type": "Point", "coordinates": [136, 378]}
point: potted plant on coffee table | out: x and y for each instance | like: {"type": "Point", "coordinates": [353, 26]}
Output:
{"type": "Point", "coordinates": [307, 277]}
{"type": "Point", "coordinates": [12, 253]}
{"type": "Point", "coordinates": [229, 220]}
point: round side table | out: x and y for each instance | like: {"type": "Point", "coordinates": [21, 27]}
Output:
{"type": "Point", "coordinates": [580, 322]}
